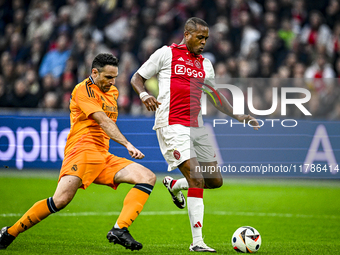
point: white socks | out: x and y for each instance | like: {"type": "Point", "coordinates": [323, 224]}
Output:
{"type": "Point", "coordinates": [116, 225]}
{"type": "Point", "coordinates": [180, 184]}
{"type": "Point", "coordinates": [195, 211]}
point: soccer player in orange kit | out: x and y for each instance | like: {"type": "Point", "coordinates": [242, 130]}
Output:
{"type": "Point", "coordinates": [94, 112]}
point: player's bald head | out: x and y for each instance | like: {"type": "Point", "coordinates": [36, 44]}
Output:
{"type": "Point", "coordinates": [191, 24]}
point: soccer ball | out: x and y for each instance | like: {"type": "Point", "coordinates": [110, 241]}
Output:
{"type": "Point", "coordinates": [246, 239]}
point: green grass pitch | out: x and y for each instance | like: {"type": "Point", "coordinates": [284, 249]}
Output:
{"type": "Point", "coordinates": [292, 216]}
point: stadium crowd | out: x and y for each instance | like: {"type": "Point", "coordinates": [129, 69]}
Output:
{"type": "Point", "coordinates": [47, 46]}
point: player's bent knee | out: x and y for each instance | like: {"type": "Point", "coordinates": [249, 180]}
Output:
{"type": "Point", "coordinates": [62, 202]}
{"type": "Point", "coordinates": [214, 184]}
{"type": "Point", "coordinates": [149, 177]}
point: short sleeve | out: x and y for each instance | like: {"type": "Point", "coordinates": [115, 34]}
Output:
{"type": "Point", "coordinates": [86, 99]}
{"type": "Point", "coordinates": [154, 64]}
{"type": "Point", "coordinates": [209, 73]}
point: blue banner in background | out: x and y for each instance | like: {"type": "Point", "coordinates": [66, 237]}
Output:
{"type": "Point", "coordinates": [278, 149]}
{"type": "Point", "coordinates": [39, 141]}
{"type": "Point", "coordinates": [310, 149]}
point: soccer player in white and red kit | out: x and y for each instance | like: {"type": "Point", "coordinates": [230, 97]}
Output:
{"type": "Point", "coordinates": [182, 71]}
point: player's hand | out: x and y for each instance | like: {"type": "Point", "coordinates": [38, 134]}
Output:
{"type": "Point", "coordinates": [249, 120]}
{"type": "Point", "coordinates": [134, 152]}
{"type": "Point", "coordinates": [150, 102]}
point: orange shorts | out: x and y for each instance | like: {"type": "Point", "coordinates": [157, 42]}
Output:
{"type": "Point", "coordinates": [95, 172]}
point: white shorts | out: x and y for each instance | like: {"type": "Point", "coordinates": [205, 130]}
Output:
{"type": "Point", "coordinates": [179, 143]}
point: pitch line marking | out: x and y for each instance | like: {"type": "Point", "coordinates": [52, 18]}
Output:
{"type": "Point", "coordinates": [155, 213]}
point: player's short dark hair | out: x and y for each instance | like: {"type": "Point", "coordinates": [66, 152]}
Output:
{"type": "Point", "coordinates": [104, 59]}
{"type": "Point", "coordinates": [191, 24]}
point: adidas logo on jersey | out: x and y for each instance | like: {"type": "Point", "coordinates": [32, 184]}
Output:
{"type": "Point", "coordinates": [181, 59]}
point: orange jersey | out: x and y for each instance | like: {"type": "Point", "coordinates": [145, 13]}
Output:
{"type": "Point", "coordinates": [86, 134]}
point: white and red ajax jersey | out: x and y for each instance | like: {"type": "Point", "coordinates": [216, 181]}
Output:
{"type": "Point", "coordinates": [181, 75]}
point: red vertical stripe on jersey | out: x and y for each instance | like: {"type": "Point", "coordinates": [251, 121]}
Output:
{"type": "Point", "coordinates": [187, 76]}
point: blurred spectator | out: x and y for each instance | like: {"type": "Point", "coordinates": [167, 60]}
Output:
{"type": "Point", "coordinates": [54, 61]}
{"type": "Point", "coordinates": [299, 70]}
{"type": "Point", "coordinates": [166, 14]}
{"type": "Point", "coordinates": [291, 60]}
{"type": "Point", "coordinates": [20, 69]}
{"type": "Point", "coordinates": [319, 74]}
{"type": "Point", "coordinates": [316, 33]}
{"type": "Point", "coordinates": [335, 114]}
{"type": "Point", "coordinates": [232, 67]}
{"type": "Point", "coordinates": [220, 30]}
{"type": "Point", "coordinates": [5, 39]}
{"type": "Point", "coordinates": [314, 106]}
{"type": "Point", "coordinates": [248, 38]}
{"type": "Point", "coordinates": [33, 84]}
{"type": "Point", "coordinates": [333, 13]}
{"type": "Point", "coordinates": [89, 28]}
{"type": "Point", "coordinates": [63, 22]}
{"type": "Point", "coordinates": [65, 104]}
{"type": "Point", "coordinates": [128, 63]}
{"type": "Point", "coordinates": [36, 53]}
{"type": "Point", "coordinates": [333, 45]}
{"type": "Point", "coordinates": [41, 20]}
{"type": "Point", "coordinates": [117, 30]}
{"type": "Point", "coordinates": [4, 15]}
{"type": "Point", "coordinates": [16, 48]}
{"type": "Point", "coordinates": [271, 6]}
{"type": "Point", "coordinates": [68, 82]}
{"type": "Point", "coordinates": [299, 15]}
{"type": "Point", "coordinates": [270, 21]}
{"type": "Point", "coordinates": [337, 68]}
{"type": "Point", "coordinates": [286, 33]}
{"type": "Point", "coordinates": [221, 9]}
{"type": "Point", "coordinates": [237, 7]}
{"type": "Point", "coordinates": [8, 70]}
{"type": "Point", "coordinates": [3, 94]}
{"type": "Point", "coordinates": [78, 11]}
{"type": "Point", "coordinates": [21, 97]}
{"type": "Point", "coordinates": [79, 46]}
{"type": "Point", "coordinates": [266, 67]}
{"type": "Point", "coordinates": [221, 73]}
{"type": "Point", "coordinates": [50, 101]}
{"type": "Point", "coordinates": [19, 21]}
{"type": "Point", "coordinates": [48, 84]}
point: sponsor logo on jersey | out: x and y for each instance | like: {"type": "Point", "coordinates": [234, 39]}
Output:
{"type": "Point", "coordinates": [182, 70]}
{"type": "Point", "coordinates": [180, 59]}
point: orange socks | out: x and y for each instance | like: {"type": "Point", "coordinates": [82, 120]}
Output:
{"type": "Point", "coordinates": [39, 211]}
{"type": "Point", "coordinates": [133, 204]}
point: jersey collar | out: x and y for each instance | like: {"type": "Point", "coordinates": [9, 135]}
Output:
{"type": "Point", "coordinates": [91, 79]}
{"type": "Point", "coordinates": [184, 47]}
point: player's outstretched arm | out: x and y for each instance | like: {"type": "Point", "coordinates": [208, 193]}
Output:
{"type": "Point", "coordinates": [112, 130]}
{"type": "Point", "coordinates": [150, 102]}
{"type": "Point", "coordinates": [226, 108]}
